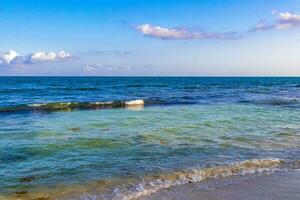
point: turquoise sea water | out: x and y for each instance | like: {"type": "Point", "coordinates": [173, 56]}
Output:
{"type": "Point", "coordinates": [58, 143]}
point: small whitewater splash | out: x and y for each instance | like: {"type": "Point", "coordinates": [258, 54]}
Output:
{"type": "Point", "coordinates": [138, 102]}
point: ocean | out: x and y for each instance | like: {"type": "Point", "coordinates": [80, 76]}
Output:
{"type": "Point", "coordinates": [128, 137]}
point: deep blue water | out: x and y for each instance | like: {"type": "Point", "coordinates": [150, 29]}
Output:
{"type": "Point", "coordinates": [158, 90]}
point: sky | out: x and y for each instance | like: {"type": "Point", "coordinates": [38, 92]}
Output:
{"type": "Point", "coordinates": [150, 38]}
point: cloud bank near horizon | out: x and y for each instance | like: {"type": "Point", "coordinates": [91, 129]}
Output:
{"type": "Point", "coordinates": [12, 58]}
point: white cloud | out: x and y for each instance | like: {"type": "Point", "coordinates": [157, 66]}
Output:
{"type": "Point", "coordinates": [289, 17]}
{"type": "Point", "coordinates": [42, 56]}
{"type": "Point", "coordinates": [89, 68]}
{"type": "Point", "coordinates": [284, 21]}
{"type": "Point", "coordinates": [180, 33]}
{"type": "Point", "coordinates": [13, 58]}
{"type": "Point", "coordinates": [288, 20]}
{"type": "Point", "coordinates": [95, 68]}
{"type": "Point", "coordinates": [8, 57]}
{"type": "Point", "coordinates": [164, 33]}
{"type": "Point", "coordinates": [63, 55]}
{"type": "Point", "coordinates": [108, 52]}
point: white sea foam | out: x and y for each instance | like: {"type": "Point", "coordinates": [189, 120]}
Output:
{"type": "Point", "coordinates": [151, 184]}
{"type": "Point", "coordinates": [37, 104]}
{"type": "Point", "coordinates": [138, 102]}
{"type": "Point", "coordinates": [103, 102]}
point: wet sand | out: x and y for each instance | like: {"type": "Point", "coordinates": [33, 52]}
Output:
{"type": "Point", "coordinates": [277, 186]}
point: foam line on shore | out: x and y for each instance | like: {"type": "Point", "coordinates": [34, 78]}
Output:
{"type": "Point", "coordinates": [152, 184]}
{"type": "Point", "coordinates": [134, 188]}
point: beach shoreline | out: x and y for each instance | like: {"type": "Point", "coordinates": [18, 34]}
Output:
{"type": "Point", "coordinates": [275, 186]}
{"type": "Point", "coordinates": [258, 186]}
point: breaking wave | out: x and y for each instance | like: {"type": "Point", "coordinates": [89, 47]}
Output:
{"type": "Point", "coordinates": [57, 106]}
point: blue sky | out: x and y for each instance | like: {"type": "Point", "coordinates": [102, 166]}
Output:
{"type": "Point", "coordinates": [119, 37]}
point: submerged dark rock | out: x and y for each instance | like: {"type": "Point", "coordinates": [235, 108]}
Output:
{"type": "Point", "coordinates": [27, 179]}
{"type": "Point", "coordinates": [42, 198]}
{"type": "Point", "coordinates": [21, 193]}
{"type": "Point", "coordinates": [75, 129]}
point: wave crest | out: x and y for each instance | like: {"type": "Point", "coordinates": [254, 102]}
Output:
{"type": "Point", "coordinates": [57, 106]}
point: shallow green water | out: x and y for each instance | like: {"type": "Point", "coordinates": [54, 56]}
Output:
{"type": "Point", "coordinates": [82, 146]}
